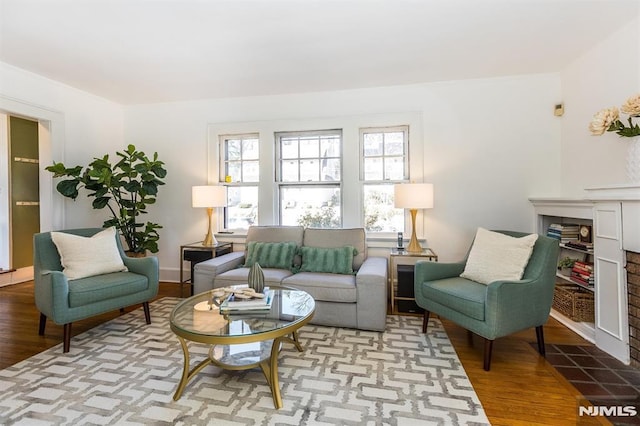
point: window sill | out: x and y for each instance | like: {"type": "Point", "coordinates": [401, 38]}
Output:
{"type": "Point", "coordinates": [381, 241]}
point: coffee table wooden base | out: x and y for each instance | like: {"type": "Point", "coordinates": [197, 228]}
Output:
{"type": "Point", "coordinates": [268, 364]}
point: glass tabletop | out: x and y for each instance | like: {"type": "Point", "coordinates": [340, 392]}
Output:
{"type": "Point", "coordinates": [288, 307]}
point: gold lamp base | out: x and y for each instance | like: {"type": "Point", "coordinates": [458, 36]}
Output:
{"type": "Point", "coordinates": [209, 239]}
{"type": "Point", "coordinates": [414, 245]}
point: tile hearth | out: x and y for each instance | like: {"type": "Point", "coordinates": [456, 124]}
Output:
{"type": "Point", "coordinates": [602, 379]}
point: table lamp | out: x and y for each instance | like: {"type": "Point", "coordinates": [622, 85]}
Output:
{"type": "Point", "coordinates": [210, 197]}
{"type": "Point", "coordinates": [413, 196]}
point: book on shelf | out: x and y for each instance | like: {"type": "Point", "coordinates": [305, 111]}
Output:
{"type": "Point", "coordinates": [582, 273]}
{"type": "Point", "coordinates": [234, 304]}
{"type": "Point", "coordinates": [581, 282]}
{"type": "Point", "coordinates": [580, 245]}
{"type": "Point", "coordinates": [583, 267]}
{"type": "Point", "coordinates": [584, 277]}
{"type": "Point", "coordinates": [563, 232]}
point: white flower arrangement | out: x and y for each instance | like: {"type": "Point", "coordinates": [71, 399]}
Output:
{"type": "Point", "coordinates": [608, 119]}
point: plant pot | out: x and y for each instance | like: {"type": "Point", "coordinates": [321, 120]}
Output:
{"type": "Point", "coordinates": [566, 271]}
{"type": "Point", "coordinates": [135, 254]}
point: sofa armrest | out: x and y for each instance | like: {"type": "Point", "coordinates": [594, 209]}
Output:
{"type": "Point", "coordinates": [141, 265]}
{"type": "Point", "coordinates": [371, 294]}
{"type": "Point", "coordinates": [147, 266]}
{"type": "Point", "coordinates": [431, 271]}
{"type": "Point", "coordinates": [374, 271]}
{"type": "Point", "coordinates": [205, 272]}
{"type": "Point", "coordinates": [516, 305]}
{"type": "Point", "coordinates": [51, 290]}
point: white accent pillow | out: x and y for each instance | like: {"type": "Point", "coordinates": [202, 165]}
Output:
{"type": "Point", "coordinates": [86, 256]}
{"type": "Point", "coordinates": [495, 256]}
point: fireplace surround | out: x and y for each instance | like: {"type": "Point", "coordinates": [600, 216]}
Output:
{"type": "Point", "coordinates": [628, 197]}
{"type": "Point", "coordinates": [614, 213]}
{"type": "Point", "coordinates": [633, 288]}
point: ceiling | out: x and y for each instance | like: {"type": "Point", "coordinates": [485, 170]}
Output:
{"type": "Point", "coordinates": [146, 51]}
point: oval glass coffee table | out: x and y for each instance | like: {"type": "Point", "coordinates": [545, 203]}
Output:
{"type": "Point", "coordinates": [243, 340]}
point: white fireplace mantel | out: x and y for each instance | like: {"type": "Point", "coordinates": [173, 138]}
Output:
{"type": "Point", "coordinates": [615, 212]}
{"type": "Point", "coordinates": [629, 198]}
{"type": "Point", "coordinates": [625, 192]}
{"type": "Point", "coordinates": [628, 195]}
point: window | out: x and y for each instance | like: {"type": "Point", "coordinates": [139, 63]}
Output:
{"type": "Point", "coordinates": [240, 171]}
{"type": "Point", "coordinates": [384, 162]}
{"type": "Point", "coordinates": [309, 169]}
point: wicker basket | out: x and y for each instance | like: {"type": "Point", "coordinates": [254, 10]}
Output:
{"type": "Point", "coordinates": [574, 302]}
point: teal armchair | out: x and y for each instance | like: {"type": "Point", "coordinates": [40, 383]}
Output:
{"type": "Point", "coordinates": [494, 310]}
{"type": "Point", "coordinates": [65, 301]}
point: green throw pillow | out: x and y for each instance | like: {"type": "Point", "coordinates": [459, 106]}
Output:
{"type": "Point", "coordinates": [337, 260]}
{"type": "Point", "coordinates": [271, 255]}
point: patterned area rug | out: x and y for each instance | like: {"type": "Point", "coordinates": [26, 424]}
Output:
{"type": "Point", "coordinates": [125, 372]}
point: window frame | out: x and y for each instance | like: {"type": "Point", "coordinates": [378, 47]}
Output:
{"type": "Point", "coordinates": [280, 183]}
{"type": "Point", "coordinates": [223, 140]}
{"type": "Point", "coordinates": [403, 128]}
{"type": "Point", "coordinates": [351, 189]}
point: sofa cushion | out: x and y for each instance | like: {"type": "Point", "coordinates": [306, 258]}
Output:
{"type": "Point", "coordinates": [337, 260]}
{"type": "Point", "coordinates": [271, 255]}
{"type": "Point", "coordinates": [331, 238]}
{"type": "Point", "coordinates": [87, 256]}
{"type": "Point", "coordinates": [324, 286]}
{"type": "Point", "coordinates": [495, 256]}
{"type": "Point", "coordinates": [272, 277]}
{"type": "Point", "coordinates": [276, 234]}
{"type": "Point", "coordinates": [461, 295]}
{"type": "Point", "coordinates": [85, 291]}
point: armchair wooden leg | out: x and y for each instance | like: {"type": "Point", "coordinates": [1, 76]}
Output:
{"type": "Point", "coordinates": [66, 338]}
{"type": "Point", "coordinates": [540, 337]}
{"type": "Point", "coordinates": [121, 311]}
{"type": "Point", "coordinates": [147, 314]}
{"type": "Point", "coordinates": [425, 321]}
{"type": "Point", "coordinates": [470, 337]}
{"type": "Point", "coordinates": [43, 323]}
{"type": "Point", "coordinates": [488, 347]}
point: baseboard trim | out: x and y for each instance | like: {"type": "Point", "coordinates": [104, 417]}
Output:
{"type": "Point", "coordinates": [16, 276]}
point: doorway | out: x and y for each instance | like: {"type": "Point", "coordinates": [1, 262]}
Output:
{"type": "Point", "coordinates": [49, 213]}
{"type": "Point", "coordinates": [24, 190]}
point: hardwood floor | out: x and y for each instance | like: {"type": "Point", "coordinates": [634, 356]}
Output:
{"type": "Point", "coordinates": [19, 322]}
{"type": "Point", "coordinates": [521, 388]}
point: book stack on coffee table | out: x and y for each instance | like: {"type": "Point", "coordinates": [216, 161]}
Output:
{"type": "Point", "coordinates": [247, 300]}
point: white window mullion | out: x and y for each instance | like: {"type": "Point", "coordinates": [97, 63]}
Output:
{"type": "Point", "coordinates": [305, 197]}
{"type": "Point", "coordinates": [242, 193]}
{"type": "Point", "coordinates": [379, 213]}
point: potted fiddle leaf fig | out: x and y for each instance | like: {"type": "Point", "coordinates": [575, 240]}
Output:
{"type": "Point", "coordinates": [126, 188]}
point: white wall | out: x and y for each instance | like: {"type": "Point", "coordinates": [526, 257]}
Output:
{"type": "Point", "coordinates": [81, 126]}
{"type": "Point", "coordinates": [487, 144]}
{"type": "Point", "coordinates": [603, 77]}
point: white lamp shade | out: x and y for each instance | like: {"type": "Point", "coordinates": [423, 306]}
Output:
{"type": "Point", "coordinates": [209, 196]}
{"type": "Point", "coordinates": [413, 195]}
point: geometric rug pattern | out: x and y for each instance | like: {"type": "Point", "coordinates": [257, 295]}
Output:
{"type": "Point", "coordinates": [125, 372]}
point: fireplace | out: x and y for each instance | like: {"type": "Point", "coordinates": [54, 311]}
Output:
{"type": "Point", "coordinates": [633, 289]}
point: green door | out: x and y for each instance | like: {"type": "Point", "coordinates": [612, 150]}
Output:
{"type": "Point", "coordinates": [24, 189]}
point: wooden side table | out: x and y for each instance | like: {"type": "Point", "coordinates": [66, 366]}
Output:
{"type": "Point", "coordinates": [402, 265]}
{"type": "Point", "coordinates": [196, 253]}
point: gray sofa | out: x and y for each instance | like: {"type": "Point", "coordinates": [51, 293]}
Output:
{"type": "Point", "coordinates": [357, 300]}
